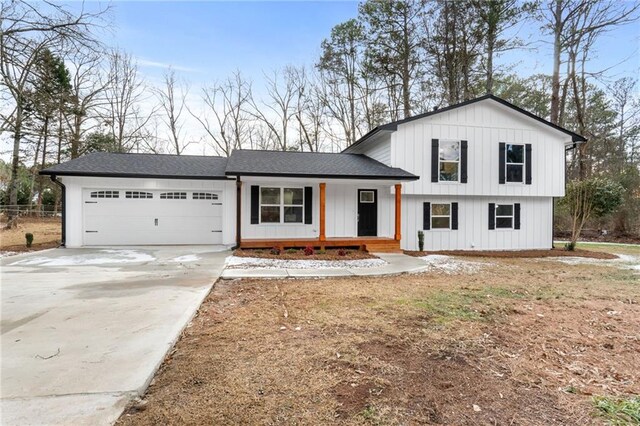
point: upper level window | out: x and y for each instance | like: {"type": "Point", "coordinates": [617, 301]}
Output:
{"type": "Point", "coordinates": [504, 216]}
{"type": "Point", "coordinates": [173, 196]}
{"type": "Point", "coordinates": [441, 216]}
{"type": "Point", "coordinates": [515, 162]}
{"type": "Point", "coordinates": [449, 161]}
{"type": "Point", "coordinates": [281, 205]}
{"type": "Point", "coordinates": [105, 194]}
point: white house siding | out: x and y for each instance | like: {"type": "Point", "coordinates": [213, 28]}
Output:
{"type": "Point", "coordinates": [378, 148]}
{"type": "Point", "coordinates": [536, 224]}
{"type": "Point", "coordinates": [341, 209]}
{"type": "Point", "coordinates": [484, 125]}
{"type": "Point", "coordinates": [75, 186]}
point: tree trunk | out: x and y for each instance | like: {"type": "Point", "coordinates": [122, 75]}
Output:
{"type": "Point", "coordinates": [557, 46]}
{"type": "Point", "coordinates": [12, 214]}
{"type": "Point", "coordinates": [45, 137]}
{"type": "Point", "coordinates": [490, 51]}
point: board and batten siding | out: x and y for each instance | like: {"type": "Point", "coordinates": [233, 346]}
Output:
{"type": "Point", "coordinates": [536, 224]}
{"type": "Point", "coordinates": [341, 209]}
{"type": "Point", "coordinates": [484, 125]}
{"type": "Point", "coordinates": [76, 185]}
{"type": "Point", "coordinates": [378, 148]}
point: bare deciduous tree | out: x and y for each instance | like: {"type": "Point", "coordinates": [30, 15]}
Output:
{"type": "Point", "coordinates": [172, 98]}
{"type": "Point", "coordinates": [225, 119]}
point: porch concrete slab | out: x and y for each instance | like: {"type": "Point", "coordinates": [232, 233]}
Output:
{"type": "Point", "coordinates": [397, 263]}
{"type": "Point", "coordinates": [84, 330]}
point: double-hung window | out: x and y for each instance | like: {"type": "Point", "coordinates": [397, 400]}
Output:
{"type": "Point", "coordinates": [514, 162]}
{"type": "Point", "coordinates": [441, 216]}
{"type": "Point", "coordinates": [504, 216]}
{"type": "Point", "coordinates": [281, 205]}
{"type": "Point", "coordinates": [449, 161]}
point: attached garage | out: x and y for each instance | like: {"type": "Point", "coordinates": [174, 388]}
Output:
{"type": "Point", "coordinates": [141, 199]}
{"type": "Point", "coordinates": [151, 217]}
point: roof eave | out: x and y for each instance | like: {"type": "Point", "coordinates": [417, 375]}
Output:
{"type": "Point", "coordinates": [324, 176]}
{"type": "Point", "coordinates": [129, 175]}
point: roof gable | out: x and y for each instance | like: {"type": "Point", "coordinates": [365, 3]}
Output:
{"type": "Point", "coordinates": [393, 126]}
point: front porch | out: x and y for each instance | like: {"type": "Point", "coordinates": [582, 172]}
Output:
{"type": "Point", "coordinates": [325, 228]}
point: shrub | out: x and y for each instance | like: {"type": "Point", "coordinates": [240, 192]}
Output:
{"type": "Point", "coordinates": [309, 251]}
{"type": "Point", "coordinates": [29, 237]}
{"type": "Point", "coordinates": [292, 251]}
{"type": "Point", "coordinates": [275, 251]}
{"type": "Point", "coordinates": [342, 252]}
{"type": "Point", "coordinates": [421, 240]}
{"type": "Point", "coordinates": [321, 252]}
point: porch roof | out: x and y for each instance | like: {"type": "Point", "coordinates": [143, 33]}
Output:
{"type": "Point", "coordinates": [311, 165]}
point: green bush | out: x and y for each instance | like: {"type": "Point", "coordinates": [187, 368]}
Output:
{"type": "Point", "coordinates": [29, 237]}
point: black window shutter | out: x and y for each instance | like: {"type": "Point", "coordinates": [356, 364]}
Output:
{"type": "Point", "coordinates": [308, 205]}
{"type": "Point", "coordinates": [463, 161]}
{"type": "Point", "coordinates": [435, 155]}
{"type": "Point", "coordinates": [516, 216]}
{"type": "Point", "coordinates": [492, 216]}
{"type": "Point", "coordinates": [426, 216]}
{"type": "Point", "coordinates": [501, 162]}
{"type": "Point", "coordinates": [527, 163]}
{"type": "Point", "coordinates": [255, 204]}
{"type": "Point", "coordinates": [454, 215]}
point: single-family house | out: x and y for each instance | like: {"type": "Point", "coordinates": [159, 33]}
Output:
{"type": "Point", "coordinates": [481, 174]}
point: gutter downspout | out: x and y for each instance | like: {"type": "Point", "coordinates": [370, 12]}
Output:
{"type": "Point", "coordinates": [64, 209]}
{"type": "Point", "coordinates": [238, 213]}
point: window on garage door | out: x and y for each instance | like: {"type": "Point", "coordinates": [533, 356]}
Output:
{"type": "Point", "coordinates": [205, 196]}
{"type": "Point", "coordinates": [138, 194]}
{"type": "Point", "coordinates": [105, 194]}
{"type": "Point", "coordinates": [173, 196]}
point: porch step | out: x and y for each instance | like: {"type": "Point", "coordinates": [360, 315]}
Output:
{"type": "Point", "coordinates": [383, 247]}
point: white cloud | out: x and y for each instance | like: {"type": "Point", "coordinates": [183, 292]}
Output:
{"type": "Point", "coordinates": [154, 64]}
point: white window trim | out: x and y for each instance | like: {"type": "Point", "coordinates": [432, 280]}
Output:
{"type": "Point", "coordinates": [282, 206]}
{"type": "Point", "coordinates": [431, 216]}
{"type": "Point", "coordinates": [512, 216]}
{"type": "Point", "coordinates": [373, 193]}
{"type": "Point", "coordinates": [507, 163]}
{"type": "Point", "coordinates": [449, 161]}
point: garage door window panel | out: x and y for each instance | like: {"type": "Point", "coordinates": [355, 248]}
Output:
{"type": "Point", "coordinates": [105, 194]}
{"type": "Point", "coordinates": [138, 195]}
{"type": "Point", "coordinates": [173, 196]}
{"type": "Point", "coordinates": [205, 196]}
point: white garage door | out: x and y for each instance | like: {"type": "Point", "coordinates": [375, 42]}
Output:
{"type": "Point", "coordinates": [151, 217]}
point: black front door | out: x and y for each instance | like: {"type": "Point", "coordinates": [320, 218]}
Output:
{"type": "Point", "coordinates": [367, 212]}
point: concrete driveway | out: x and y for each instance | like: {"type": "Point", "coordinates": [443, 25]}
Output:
{"type": "Point", "coordinates": [83, 330]}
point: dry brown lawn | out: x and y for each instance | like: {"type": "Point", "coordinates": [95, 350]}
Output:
{"type": "Point", "coordinates": [46, 233]}
{"type": "Point", "coordinates": [522, 342]}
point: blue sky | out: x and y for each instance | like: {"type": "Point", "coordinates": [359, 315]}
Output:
{"type": "Point", "coordinates": [207, 40]}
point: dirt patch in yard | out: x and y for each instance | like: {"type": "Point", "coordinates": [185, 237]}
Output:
{"type": "Point", "coordinates": [46, 234]}
{"type": "Point", "coordinates": [524, 342]}
{"type": "Point", "coordinates": [298, 254]}
{"type": "Point", "coordinates": [522, 254]}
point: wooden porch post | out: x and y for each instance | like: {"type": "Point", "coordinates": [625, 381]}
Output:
{"type": "Point", "coordinates": [323, 236]}
{"type": "Point", "coordinates": [398, 208]}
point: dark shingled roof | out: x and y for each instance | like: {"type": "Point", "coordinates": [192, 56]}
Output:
{"type": "Point", "coordinates": [311, 164]}
{"type": "Point", "coordinates": [142, 165]}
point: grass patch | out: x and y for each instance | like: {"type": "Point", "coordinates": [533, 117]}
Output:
{"type": "Point", "coordinates": [618, 411]}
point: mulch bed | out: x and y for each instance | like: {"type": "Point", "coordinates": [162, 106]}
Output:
{"type": "Point", "coordinates": [517, 253]}
{"type": "Point", "coordinates": [331, 254]}
{"type": "Point", "coordinates": [34, 247]}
